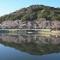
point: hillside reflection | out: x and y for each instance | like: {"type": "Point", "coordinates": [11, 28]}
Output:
{"type": "Point", "coordinates": [32, 43]}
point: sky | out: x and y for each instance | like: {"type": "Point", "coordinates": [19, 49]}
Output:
{"type": "Point", "coordinates": [8, 6]}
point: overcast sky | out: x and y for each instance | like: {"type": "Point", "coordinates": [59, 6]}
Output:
{"type": "Point", "coordinates": [8, 6]}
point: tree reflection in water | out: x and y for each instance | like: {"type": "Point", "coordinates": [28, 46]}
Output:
{"type": "Point", "coordinates": [32, 43]}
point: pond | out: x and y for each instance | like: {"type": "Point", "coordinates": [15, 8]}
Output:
{"type": "Point", "coordinates": [29, 47]}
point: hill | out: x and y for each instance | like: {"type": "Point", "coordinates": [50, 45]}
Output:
{"type": "Point", "coordinates": [34, 12]}
{"type": "Point", "coordinates": [35, 16]}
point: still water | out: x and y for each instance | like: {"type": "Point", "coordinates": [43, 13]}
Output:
{"type": "Point", "coordinates": [29, 47]}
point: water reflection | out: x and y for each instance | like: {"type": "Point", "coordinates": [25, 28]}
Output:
{"type": "Point", "coordinates": [32, 43]}
{"type": "Point", "coordinates": [27, 38]}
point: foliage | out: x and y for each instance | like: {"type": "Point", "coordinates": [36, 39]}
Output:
{"type": "Point", "coordinates": [33, 13]}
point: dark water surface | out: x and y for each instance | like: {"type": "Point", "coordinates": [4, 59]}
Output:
{"type": "Point", "coordinates": [29, 47]}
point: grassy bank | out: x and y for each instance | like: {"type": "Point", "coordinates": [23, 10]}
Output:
{"type": "Point", "coordinates": [44, 32]}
